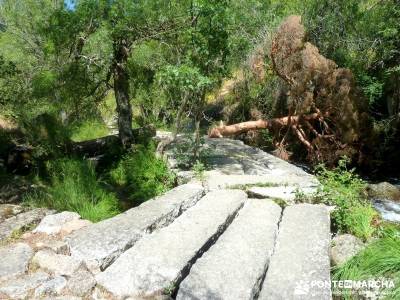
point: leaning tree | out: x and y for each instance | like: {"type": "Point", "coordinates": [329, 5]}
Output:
{"type": "Point", "coordinates": [326, 112]}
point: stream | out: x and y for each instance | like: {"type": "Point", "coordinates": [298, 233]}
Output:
{"type": "Point", "coordinates": [389, 210]}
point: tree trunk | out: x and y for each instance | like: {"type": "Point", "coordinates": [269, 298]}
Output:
{"type": "Point", "coordinates": [178, 120]}
{"type": "Point", "coordinates": [121, 89]}
{"type": "Point", "coordinates": [271, 124]}
{"type": "Point", "coordinates": [197, 119]}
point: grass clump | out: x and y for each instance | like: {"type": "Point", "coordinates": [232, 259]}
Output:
{"type": "Point", "coordinates": [247, 186]}
{"type": "Point", "coordinates": [141, 175]}
{"type": "Point", "coordinates": [88, 130]}
{"type": "Point", "coordinates": [342, 188]}
{"type": "Point", "coordinates": [75, 187]}
{"type": "Point", "coordinates": [380, 259]}
{"type": "Point", "coordinates": [199, 170]}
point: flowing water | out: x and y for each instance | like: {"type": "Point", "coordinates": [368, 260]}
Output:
{"type": "Point", "coordinates": [389, 210]}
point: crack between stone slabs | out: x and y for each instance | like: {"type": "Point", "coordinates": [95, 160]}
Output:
{"type": "Point", "coordinates": [260, 281]}
{"type": "Point", "coordinates": [167, 219]}
{"type": "Point", "coordinates": [161, 222]}
{"type": "Point", "coordinates": [209, 243]}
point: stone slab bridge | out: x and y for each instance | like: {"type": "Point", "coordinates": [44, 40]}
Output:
{"type": "Point", "coordinates": [224, 237]}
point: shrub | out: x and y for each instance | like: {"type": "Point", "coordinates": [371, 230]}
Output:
{"type": "Point", "coordinates": [342, 188]}
{"type": "Point", "coordinates": [74, 187]}
{"type": "Point", "coordinates": [142, 175]}
{"type": "Point", "coordinates": [379, 259]}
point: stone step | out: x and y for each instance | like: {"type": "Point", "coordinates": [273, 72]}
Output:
{"type": "Point", "coordinates": [158, 262]}
{"type": "Point", "coordinates": [234, 267]}
{"type": "Point", "coordinates": [98, 245]}
{"type": "Point", "coordinates": [285, 193]}
{"type": "Point", "coordinates": [217, 180]}
{"type": "Point", "coordinates": [300, 267]}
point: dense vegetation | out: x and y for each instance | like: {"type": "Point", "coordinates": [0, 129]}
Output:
{"type": "Point", "coordinates": [324, 83]}
{"type": "Point", "coordinates": [163, 62]}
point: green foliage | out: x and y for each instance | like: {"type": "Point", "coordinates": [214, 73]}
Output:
{"type": "Point", "coordinates": [74, 187]}
{"type": "Point", "coordinates": [247, 186]}
{"type": "Point", "coordinates": [379, 259]}
{"type": "Point", "coordinates": [184, 78]}
{"type": "Point", "coordinates": [43, 84]}
{"type": "Point", "coordinates": [142, 175]}
{"type": "Point", "coordinates": [342, 188]}
{"type": "Point", "coordinates": [199, 170]}
{"type": "Point", "coordinates": [372, 87]}
{"type": "Point", "coordinates": [362, 36]}
{"type": "Point", "coordinates": [88, 130]}
{"type": "Point", "coordinates": [46, 134]}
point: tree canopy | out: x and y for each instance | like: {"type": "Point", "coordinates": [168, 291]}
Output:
{"type": "Point", "coordinates": [167, 63]}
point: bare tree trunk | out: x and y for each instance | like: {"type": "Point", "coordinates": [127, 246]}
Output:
{"type": "Point", "coordinates": [178, 120]}
{"type": "Point", "coordinates": [197, 120]}
{"type": "Point", "coordinates": [239, 128]}
{"type": "Point", "coordinates": [121, 88]}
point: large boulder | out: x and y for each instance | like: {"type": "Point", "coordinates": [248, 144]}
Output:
{"type": "Point", "coordinates": [344, 247]}
{"type": "Point", "coordinates": [383, 191]}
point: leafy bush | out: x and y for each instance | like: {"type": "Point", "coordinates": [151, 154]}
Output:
{"type": "Point", "coordinates": [142, 175]}
{"type": "Point", "coordinates": [74, 187]}
{"type": "Point", "coordinates": [379, 259]}
{"type": "Point", "coordinates": [342, 188]}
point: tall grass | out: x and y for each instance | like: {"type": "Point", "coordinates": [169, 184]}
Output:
{"type": "Point", "coordinates": [74, 187]}
{"type": "Point", "coordinates": [141, 175]}
{"type": "Point", "coordinates": [353, 213]}
{"type": "Point", "coordinates": [88, 130]}
{"type": "Point", "coordinates": [380, 259]}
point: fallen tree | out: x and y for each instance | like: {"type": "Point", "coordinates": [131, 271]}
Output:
{"type": "Point", "coordinates": [326, 112]}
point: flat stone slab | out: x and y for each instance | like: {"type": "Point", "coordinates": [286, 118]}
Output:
{"type": "Point", "coordinates": [21, 221]}
{"type": "Point", "coordinates": [234, 267]}
{"type": "Point", "coordinates": [14, 260]}
{"type": "Point", "coordinates": [285, 193]}
{"type": "Point", "coordinates": [300, 267]}
{"type": "Point", "coordinates": [217, 180]}
{"type": "Point", "coordinates": [158, 262]}
{"type": "Point", "coordinates": [233, 162]}
{"type": "Point", "coordinates": [98, 245]}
